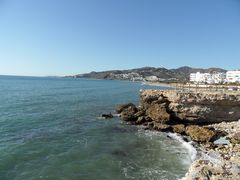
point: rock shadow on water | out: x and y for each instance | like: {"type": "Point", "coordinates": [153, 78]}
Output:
{"type": "Point", "coordinates": [119, 153]}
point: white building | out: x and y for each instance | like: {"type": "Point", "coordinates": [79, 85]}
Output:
{"type": "Point", "coordinates": [218, 78]}
{"type": "Point", "coordinates": [199, 77]}
{"type": "Point", "coordinates": [233, 76]}
{"type": "Point", "coordinates": [213, 78]}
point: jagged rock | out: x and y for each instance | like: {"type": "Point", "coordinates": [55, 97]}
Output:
{"type": "Point", "coordinates": [128, 114]}
{"type": "Point", "coordinates": [179, 128]}
{"type": "Point", "coordinates": [140, 113]}
{"type": "Point", "coordinates": [204, 170]}
{"type": "Point", "coordinates": [236, 138]}
{"type": "Point", "coordinates": [122, 107]}
{"type": "Point", "coordinates": [158, 113]}
{"type": "Point", "coordinates": [150, 125]}
{"type": "Point", "coordinates": [162, 127]}
{"type": "Point", "coordinates": [200, 134]}
{"type": "Point", "coordinates": [195, 107]}
{"type": "Point", "coordinates": [140, 120]}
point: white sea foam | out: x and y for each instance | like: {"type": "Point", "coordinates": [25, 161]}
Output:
{"type": "Point", "coordinates": [187, 145]}
{"type": "Point", "coordinates": [166, 149]}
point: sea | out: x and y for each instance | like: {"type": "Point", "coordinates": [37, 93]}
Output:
{"type": "Point", "coordinates": [50, 128]}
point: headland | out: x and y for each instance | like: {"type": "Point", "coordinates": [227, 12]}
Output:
{"type": "Point", "coordinates": [209, 119]}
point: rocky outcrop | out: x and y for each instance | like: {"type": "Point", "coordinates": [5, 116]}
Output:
{"type": "Point", "coordinates": [194, 115]}
{"type": "Point", "coordinates": [221, 161]}
{"type": "Point", "coordinates": [158, 113]}
{"type": "Point", "coordinates": [127, 112]}
{"type": "Point", "coordinates": [181, 109]}
{"type": "Point", "coordinates": [200, 134]}
{"type": "Point", "coordinates": [120, 108]}
{"type": "Point", "coordinates": [192, 107]}
{"type": "Point", "coordinates": [179, 128]}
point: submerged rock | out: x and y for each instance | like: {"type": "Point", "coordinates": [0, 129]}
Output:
{"type": "Point", "coordinates": [107, 116]}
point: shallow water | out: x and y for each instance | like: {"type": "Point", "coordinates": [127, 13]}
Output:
{"type": "Point", "coordinates": [49, 129]}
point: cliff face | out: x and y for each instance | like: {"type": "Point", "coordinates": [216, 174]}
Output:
{"type": "Point", "coordinates": [190, 107]}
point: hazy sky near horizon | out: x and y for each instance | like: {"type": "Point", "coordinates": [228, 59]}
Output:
{"type": "Point", "coordinates": [64, 37]}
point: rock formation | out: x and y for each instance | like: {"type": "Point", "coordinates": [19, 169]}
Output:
{"type": "Point", "coordinates": [189, 106]}
{"type": "Point", "coordinates": [194, 115]}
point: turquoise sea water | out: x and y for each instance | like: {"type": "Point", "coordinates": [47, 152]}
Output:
{"type": "Point", "coordinates": [49, 129]}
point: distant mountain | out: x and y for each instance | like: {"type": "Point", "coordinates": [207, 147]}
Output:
{"type": "Point", "coordinates": [163, 74]}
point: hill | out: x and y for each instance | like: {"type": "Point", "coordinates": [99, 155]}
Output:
{"type": "Point", "coordinates": [148, 73]}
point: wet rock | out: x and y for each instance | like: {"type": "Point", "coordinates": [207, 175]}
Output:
{"type": "Point", "coordinates": [107, 116]}
{"type": "Point", "coordinates": [122, 107]}
{"type": "Point", "coordinates": [158, 113]}
{"type": "Point", "coordinates": [179, 128]}
{"type": "Point", "coordinates": [140, 120]}
{"type": "Point", "coordinates": [200, 134]}
{"type": "Point", "coordinates": [127, 112]}
{"type": "Point", "coordinates": [140, 113]}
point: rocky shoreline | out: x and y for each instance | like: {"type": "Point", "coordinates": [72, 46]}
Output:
{"type": "Point", "coordinates": [210, 120]}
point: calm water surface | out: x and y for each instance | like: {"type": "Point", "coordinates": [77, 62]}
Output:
{"type": "Point", "coordinates": [49, 129]}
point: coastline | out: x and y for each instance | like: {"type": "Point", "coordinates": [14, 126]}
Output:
{"type": "Point", "coordinates": [216, 143]}
{"type": "Point", "coordinates": [219, 160]}
{"type": "Point", "coordinates": [157, 84]}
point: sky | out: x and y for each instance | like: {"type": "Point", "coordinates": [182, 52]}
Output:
{"type": "Point", "coordinates": [66, 37]}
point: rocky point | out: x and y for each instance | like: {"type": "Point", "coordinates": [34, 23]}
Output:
{"type": "Point", "coordinates": [209, 119]}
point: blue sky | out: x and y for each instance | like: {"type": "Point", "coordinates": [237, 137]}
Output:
{"type": "Point", "coordinates": [64, 37]}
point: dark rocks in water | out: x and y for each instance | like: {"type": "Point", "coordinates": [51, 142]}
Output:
{"type": "Point", "coordinates": [120, 108]}
{"type": "Point", "coordinates": [150, 125]}
{"type": "Point", "coordinates": [119, 153]}
{"type": "Point", "coordinates": [200, 134]}
{"type": "Point", "coordinates": [107, 116]}
{"type": "Point", "coordinates": [140, 113]}
{"type": "Point", "coordinates": [140, 120]}
{"type": "Point", "coordinates": [186, 138]}
{"type": "Point", "coordinates": [127, 112]}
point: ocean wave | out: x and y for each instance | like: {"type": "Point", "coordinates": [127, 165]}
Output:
{"type": "Point", "coordinates": [187, 145]}
{"type": "Point", "coordinates": [191, 150]}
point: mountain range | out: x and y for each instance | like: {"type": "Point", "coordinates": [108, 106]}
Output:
{"type": "Point", "coordinates": [163, 74]}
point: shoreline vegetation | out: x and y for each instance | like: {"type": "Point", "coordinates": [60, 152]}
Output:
{"type": "Point", "coordinates": [210, 120]}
